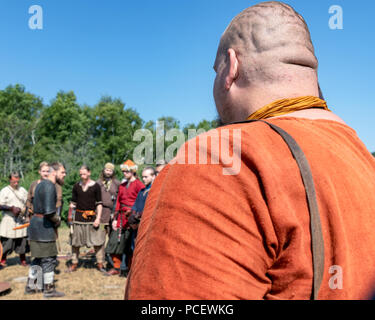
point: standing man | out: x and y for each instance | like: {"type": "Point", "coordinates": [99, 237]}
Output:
{"type": "Point", "coordinates": [119, 240]}
{"type": "Point", "coordinates": [13, 201]}
{"type": "Point", "coordinates": [148, 177]}
{"type": "Point", "coordinates": [85, 214]}
{"type": "Point", "coordinates": [296, 217]}
{"type": "Point", "coordinates": [42, 233]}
{"type": "Point", "coordinates": [109, 187]}
{"type": "Point", "coordinates": [43, 173]}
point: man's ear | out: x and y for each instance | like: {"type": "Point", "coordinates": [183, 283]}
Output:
{"type": "Point", "coordinates": [233, 69]}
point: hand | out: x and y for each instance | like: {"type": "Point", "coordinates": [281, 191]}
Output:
{"type": "Point", "coordinates": [57, 223]}
{"type": "Point", "coordinates": [96, 223]}
{"type": "Point", "coordinates": [114, 225]}
{"type": "Point", "coordinates": [16, 211]}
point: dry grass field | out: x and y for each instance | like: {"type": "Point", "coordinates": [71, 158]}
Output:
{"type": "Point", "coordinates": [85, 284]}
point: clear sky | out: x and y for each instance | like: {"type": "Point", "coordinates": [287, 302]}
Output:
{"type": "Point", "coordinates": [157, 56]}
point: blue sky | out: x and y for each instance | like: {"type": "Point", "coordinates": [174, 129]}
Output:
{"type": "Point", "coordinates": [157, 56]}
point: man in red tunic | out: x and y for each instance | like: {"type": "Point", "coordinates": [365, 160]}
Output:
{"type": "Point", "coordinates": [120, 238]}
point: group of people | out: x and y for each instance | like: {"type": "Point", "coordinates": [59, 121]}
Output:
{"type": "Point", "coordinates": [99, 210]}
{"type": "Point", "coordinates": [297, 221]}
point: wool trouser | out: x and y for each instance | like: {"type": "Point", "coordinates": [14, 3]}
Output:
{"type": "Point", "coordinates": [19, 245]}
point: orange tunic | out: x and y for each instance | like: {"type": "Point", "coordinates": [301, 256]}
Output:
{"type": "Point", "coordinates": [205, 235]}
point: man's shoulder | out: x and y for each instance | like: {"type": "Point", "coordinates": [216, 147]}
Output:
{"type": "Point", "coordinates": [95, 184]}
{"type": "Point", "coordinates": [46, 184]}
{"type": "Point", "coordinates": [34, 184]}
{"type": "Point", "coordinates": [5, 189]}
{"type": "Point", "coordinates": [123, 183]}
{"type": "Point", "coordinates": [23, 190]}
{"type": "Point", "coordinates": [76, 184]}
{"type": "Point", "coordinates": [44, 187]}
{"type": "Point", "coordinates": [139, 182]}
{"type": "Point", "coordinates": [58, 186]}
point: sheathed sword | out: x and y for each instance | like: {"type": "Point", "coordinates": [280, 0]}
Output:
{"type": "Point", "coordinates": [22, 226]}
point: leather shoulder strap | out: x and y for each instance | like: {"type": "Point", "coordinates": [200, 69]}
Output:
{"type": "Point", "coordinates": [317, 242]}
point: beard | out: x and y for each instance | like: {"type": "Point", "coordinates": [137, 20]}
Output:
{"type": "Point", "coordinates": [60, 181]}
{"type": "Point", "coordinates": [107, 176]}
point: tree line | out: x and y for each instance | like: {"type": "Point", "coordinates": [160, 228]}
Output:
{"type": "Point", "coordinates": [74, 134]}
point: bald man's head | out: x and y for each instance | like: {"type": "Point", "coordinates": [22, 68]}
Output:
{"type": "Point", "coordinates": [265, 54]}
{"type": "Point", "coordinates": [266, 38]}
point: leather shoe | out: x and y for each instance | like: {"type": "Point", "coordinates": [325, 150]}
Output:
{"type": "Point", "coordinates": [24, 263]}
{"type": "Point", "coordinates": [100, 267]}
{"type": "Point", "coordinates": [112, 272]}
{"type": "Point", "coordinates": [72, 268]}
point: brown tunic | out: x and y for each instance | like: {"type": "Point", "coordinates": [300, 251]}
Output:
{"type": "Point", "coordinates": [109, 195]}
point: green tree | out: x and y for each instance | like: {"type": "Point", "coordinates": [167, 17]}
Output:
{"type": "Point", "coordinates": [19, 112]}
{"type": "Point", "coordinates": [115, 126]}
{"type": "Point", "coordinates": [64, 132]}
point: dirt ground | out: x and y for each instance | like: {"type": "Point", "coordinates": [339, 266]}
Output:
{"type": "Point", "coordinates": [85, 284]}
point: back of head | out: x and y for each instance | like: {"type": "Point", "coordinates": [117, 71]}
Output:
{"type": "Point", "coordinates": [271, 40]}
{"type": "Point", "coordinates": [54, 166]}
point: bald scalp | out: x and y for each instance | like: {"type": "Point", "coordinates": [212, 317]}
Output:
{"type": "Point", "coordinates": [269, 39]}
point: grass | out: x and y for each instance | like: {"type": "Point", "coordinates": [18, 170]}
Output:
{"type": "Point", "coordinates": [85, 284]}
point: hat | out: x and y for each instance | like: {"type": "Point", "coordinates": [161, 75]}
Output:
{"type": "Point", "coordinates": [110, 166]}
{"type": "Point", "coordinates": [129, 166]}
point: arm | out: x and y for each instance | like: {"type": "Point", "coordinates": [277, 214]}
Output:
{"type": "Point", "coordinates": [4, 199]}
{"type": "Point", "coordinates": [49, 201]}
{"type": "Point", "coordinates": [29, 201]}
{"type": "Point", "coordinates": [72, 206]}
{"type": "Point", "coordinates": [99, 209]}
{"type": "Point", "coordinates": [55, 219]}
{"type": "Point", "coordinates": [16, 211]}
{"type": "Point", "coordinates": [99, 206]}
